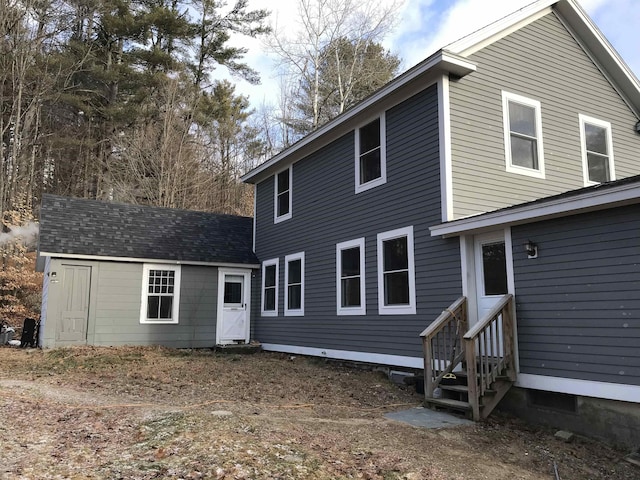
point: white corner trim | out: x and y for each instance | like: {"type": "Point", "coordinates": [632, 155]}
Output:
{"type": "Point", "coordinates": [378, 358]}
{"type": "Point", "coordinates": [255, 215]}
{"type": "Point", "coordinates": [585, 388]}
{"type": "Point", "coordinates": [446, 167]}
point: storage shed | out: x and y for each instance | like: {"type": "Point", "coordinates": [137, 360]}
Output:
{"type": "Point", "coordinates": [118, 274]}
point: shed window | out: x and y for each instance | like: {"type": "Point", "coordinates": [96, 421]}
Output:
{"type": "Point", "coordinates": [160, 294]}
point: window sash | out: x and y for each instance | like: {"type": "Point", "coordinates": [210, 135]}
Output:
{"type": "Point", "coordinates": [597, 150]}
{"type": "Point", "coordinates": [524, 151]}
{"type": "Point", "coordinates": [160, 294]}
{"type": "Point", "coordinates": [370, 153]}
{"type": "Point", "coordinates": [269, 301]}
{"type": "Point", "coordinates": [282, 195]}
{"type": "Point", "coordinates": [396, 272]}
{"type": "Point", "coordinates": [294, 284]}
{"type": "Point", "coordinates": [350, 278]}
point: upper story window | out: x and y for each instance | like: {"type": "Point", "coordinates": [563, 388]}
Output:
{"type": "Point", "coordinates": [350, 278]}
{"type": "Point", "coordinates": [294, 284]}
{"type": "Point", "coordinates": [269, 288]}
{"type": "Point", "coordinates": [160, 293]}
{"type": "Point", "coordinates": [597, 150]}
{"type": "Point", "coordinates": [371, 162]}
{"type": "Point", "coordinates": [523, 135]}
{"type": "Point", "coordinates": [282, 195]}
{"type": "Point", "coordinates": [396, 272]}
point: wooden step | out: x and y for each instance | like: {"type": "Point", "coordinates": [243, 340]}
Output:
{"type": "Point", "coordinates": [455, 388]}
{"type": "Point", "coordinates": [449, 403]}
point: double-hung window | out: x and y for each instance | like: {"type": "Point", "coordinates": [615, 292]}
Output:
{"type": "Point", "coordinates": [597, 150]}
{"type": "Point", "coordinates": [350, 278]}
{"type": "Point", "coordinates": [282, 195]}
{"type": "Point", "coordinates": [160, 294]}
{"type": "Point", "coordinates": [396, 272]}
{"type": "Point", "coordinates": [294, 284]}
{"type": "Point", "coordinates": [523, 135]}
{"type": "Point", "coordinates": [269, 288]}
{"type": "Point", "coordinates": [371, 162]}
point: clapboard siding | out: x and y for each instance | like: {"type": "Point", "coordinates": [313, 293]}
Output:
{"type": "Point", "coordinates": [114, 307]}
{"type": "Point", "coordinates": [578, 303]}
{"type": "Point", "coordinates": [541, 61]}
{"type": "Point", "coordinates": [326, 211]}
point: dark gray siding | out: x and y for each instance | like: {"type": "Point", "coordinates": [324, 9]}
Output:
{"type": "Point", "coordinates": [578, 303]}
{"type": "Point", "coordinates": [541, 61]}
{"type": "Point", "coordinates": [326, 211]}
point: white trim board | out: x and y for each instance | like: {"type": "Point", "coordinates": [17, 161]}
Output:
{"type": "Point", "coordinates": [584, 388]}
{"type": "Point", "coordinates": [446, 164]}
{"type": "Point", "coordinates": [103, 258]}
{"type": "Point", "coordinates": [592, 200]}
{"type": "Point", "coordinates": [378, 358]}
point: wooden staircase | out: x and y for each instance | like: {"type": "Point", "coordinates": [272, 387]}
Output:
{"type": "Point", "coordinates": [469, 370]}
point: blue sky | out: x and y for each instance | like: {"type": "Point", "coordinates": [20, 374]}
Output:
{"type": "Point", "coordinates": [424, 26]}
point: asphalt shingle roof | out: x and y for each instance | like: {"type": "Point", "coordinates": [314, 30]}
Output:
{"type": "Point", "coordinates": [89, 227]}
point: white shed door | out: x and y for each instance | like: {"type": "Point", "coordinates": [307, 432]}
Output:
{"type": "Point", "coordinates": [233, 306]}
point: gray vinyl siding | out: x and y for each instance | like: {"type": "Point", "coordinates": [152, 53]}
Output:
{"type": "Point", "coordinates": [578, 303]}
{"type": "Point", "coordinates": [114, 307]}
{"type": "Point", "coordinates": [543, 62]}
{"type": "Point", "coordinates": [326, 211]}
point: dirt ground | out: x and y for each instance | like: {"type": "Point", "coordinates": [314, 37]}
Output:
{"type": "Point", "coordinates": [147, 413]}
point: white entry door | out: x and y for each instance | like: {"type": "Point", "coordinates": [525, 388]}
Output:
{"type": "Point", "coordinates": [491, 271]}
{"type": "Point", "coordinates": [233, 306]}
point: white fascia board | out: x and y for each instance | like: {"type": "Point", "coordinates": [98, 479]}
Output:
{"type": "Point", "coordinates": [438, 63]}
{"type": "Point", "coordinates": [602, 52]}
{"type": "Point", "coordinates": [528, 213]}
{"type": "Point", "coordinates": [501, 28]}
{"type": "Point", "coordinates": [102, 258]}
{"type": "Point", "coordinates": [366, 357]}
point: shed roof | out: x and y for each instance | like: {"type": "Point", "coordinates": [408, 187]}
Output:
{"type": "Point", "coordinates": [73, 227]}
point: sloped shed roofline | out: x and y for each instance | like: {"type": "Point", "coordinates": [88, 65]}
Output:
{"type": "Point", "coordinates": [452, 59]}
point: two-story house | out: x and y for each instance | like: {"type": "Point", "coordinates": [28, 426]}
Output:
{"type": "Point", "coordinates": [494, 181]}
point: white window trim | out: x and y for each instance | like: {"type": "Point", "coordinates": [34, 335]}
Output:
{"type": "Point", "coordinates": [286, 216]}
{"type": "Point", "coordinates": [362, 309]}
{"type": "Point", "coordinates": [506, 97]}
{"type": "Point", "coordinates": [397, 309]}
{"type": "Point", "coordinates": [265, 264]}
{"type": "Point", "coordinates": [176, 293]}
{"type": "Point", "coordinates": [298, 312]}
{"type": "Point", "coordinates": [383, 157]}
{"type": "Point", "coordinates": [583, 143]}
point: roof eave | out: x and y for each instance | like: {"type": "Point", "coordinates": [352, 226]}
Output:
{"type": "Point", "coordinates": [439, 63]}
{"type": "Point", "coordinates": [589, 201]}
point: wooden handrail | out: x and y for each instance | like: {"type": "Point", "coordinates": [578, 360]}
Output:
{"type": "Point", "coordinates": [447, 331]}
{"type": "Point", "coordinates": [482, 324]}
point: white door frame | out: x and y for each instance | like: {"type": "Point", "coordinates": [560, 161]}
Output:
{"type": "Point", "coordinates": [246, 274]}
{"type": "Point", "coordinates": [469, 283]}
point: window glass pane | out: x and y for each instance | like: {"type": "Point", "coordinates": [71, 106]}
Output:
{"type": "Point", "coordinates": [153, 306]}
{"type": "Point", "coordinates": [350, 260]}
{"type": "Point", "coordinates": [294, 297]}
{"type": "Point", "coordinates": [270, 299]}
{"type": "Point", "coordinates": [596, 138]}
{"type": "Point", "coordinates": [598, 167]}
{"type": "Point", "coordinates": [494, 265]}
{"type": "Point", "coordinates": [522, 119]}
{"type": "Point", "coordinates": [370, 168]}
{"type": "Point", "coordinates": [232, 292]}
{"type": "Point", "coordinates": [524, 152]}
{"type": "Point", "coordinates": [396, 288]}
{"type": "Point", "coordinates": [165, 307]}
{"type": "Point", "coordinates": [370, 136]}
{"type": "Point", "coordinates": [283, 181]}
{"type": "Point", "coordinates": [350, 292]}
{"type": "Point", "coordinates": [395, 254]}
{"type": "Point", "coordinates": [295, 269]}
{"type": "Point", "coordinates": [283, 204]}
{"type": "Point", "coordinates": [270, 276]}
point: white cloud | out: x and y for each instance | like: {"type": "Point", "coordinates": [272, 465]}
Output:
{"type": "Point", "coordinates": [426, 25]}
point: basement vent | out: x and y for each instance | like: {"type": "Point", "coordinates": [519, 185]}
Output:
{"type": "Point", "coordinates": [561, 402]}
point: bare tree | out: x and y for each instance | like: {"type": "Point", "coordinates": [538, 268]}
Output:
{"type": "Point", "coordinates": [323, 25]}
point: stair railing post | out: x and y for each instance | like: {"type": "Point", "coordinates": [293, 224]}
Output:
{"type": "Point", "coordinates": [509, 339]}
{"type": "Point", "coordinates": [474, 401]}
{"type": "Point", "coordinates": [428, 367]}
